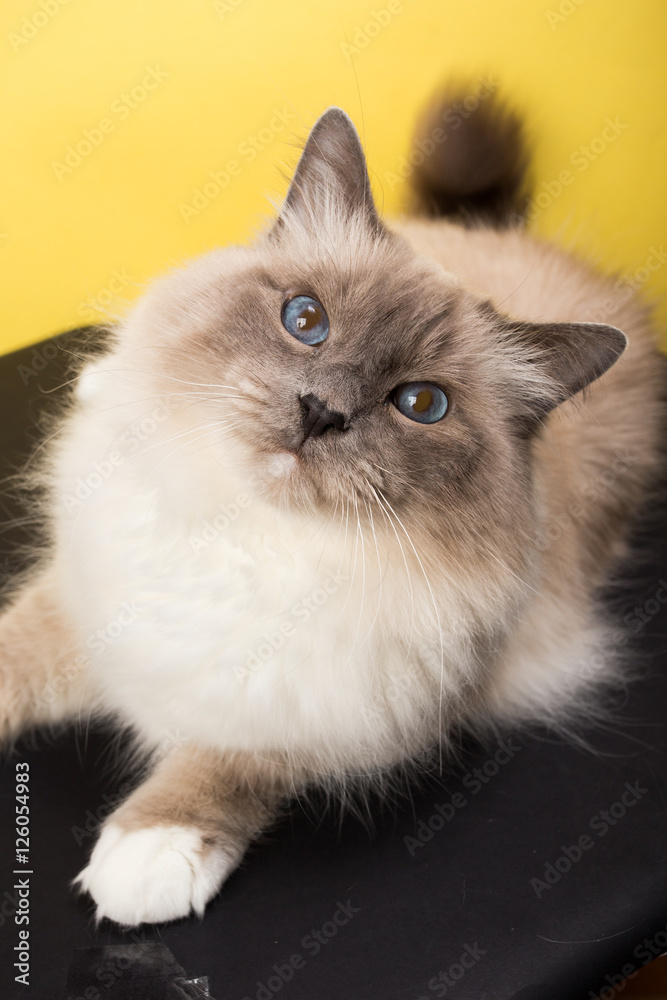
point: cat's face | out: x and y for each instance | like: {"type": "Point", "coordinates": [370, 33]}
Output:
{"type": "Point", "coordinates": [360, 375]}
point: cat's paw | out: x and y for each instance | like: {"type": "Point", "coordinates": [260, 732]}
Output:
{"type": "Point", "coordinates": [154, 874]}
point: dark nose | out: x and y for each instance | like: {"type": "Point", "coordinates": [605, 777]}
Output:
{"type": "Point", "coordinates": [318, 418]}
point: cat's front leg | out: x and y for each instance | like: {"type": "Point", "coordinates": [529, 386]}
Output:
{"type": "Point", "coordinates": [167, 850]}
{"type": "Point", "coordinates": [44, 675]}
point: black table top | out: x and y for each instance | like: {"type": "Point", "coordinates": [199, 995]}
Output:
{"type": "Point", "coordinates": [534, 868]}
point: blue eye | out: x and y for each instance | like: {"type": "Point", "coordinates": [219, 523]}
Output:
{"type": "Point", "coordinates": [306, 319]}
{"type": "Point", "coordinates": [421, 401]}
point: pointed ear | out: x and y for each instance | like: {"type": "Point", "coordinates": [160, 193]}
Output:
{"type": "Point", "coordinates": [561, 359]}
{"type": "Point", "coordinates": [332, 167]}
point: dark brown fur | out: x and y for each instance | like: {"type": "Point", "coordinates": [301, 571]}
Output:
{"type": "Point", "coordinates": [477, 170]}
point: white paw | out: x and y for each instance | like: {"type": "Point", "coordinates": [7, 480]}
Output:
{"type": "Point", "coordinates": [152, 875]}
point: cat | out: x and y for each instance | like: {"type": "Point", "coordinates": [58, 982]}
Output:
{"type": "Point", "coordinates": [330, 497]}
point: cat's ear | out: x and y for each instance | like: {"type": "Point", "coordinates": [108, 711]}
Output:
{"type": "Point", "coordinates": [558, 360]}
{"type": "Point", "coordinates": [331, 173]}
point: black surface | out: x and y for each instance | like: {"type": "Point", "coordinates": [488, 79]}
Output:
{"type": "Point", "coordinates": [397, 915]}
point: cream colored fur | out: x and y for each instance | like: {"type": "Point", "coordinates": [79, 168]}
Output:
{"type": "Point", "coordinates": [259, 646]}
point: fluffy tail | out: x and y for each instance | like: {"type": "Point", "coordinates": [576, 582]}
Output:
{"type": "Point", "coordinates": [471, 157]}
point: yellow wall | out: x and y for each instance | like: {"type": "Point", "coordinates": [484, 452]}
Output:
{"type": "Point", "coordinates": [218, 73]}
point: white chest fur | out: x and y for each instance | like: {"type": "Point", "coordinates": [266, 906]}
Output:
{"type": "Point", "coordinates": [210, 615]}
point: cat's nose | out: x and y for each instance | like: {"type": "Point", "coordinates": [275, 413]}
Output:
{"type": "Point", "coordinates": [318, 418]}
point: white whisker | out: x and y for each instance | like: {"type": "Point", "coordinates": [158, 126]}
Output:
{"type": "Point", "coordinates": [437, 615]}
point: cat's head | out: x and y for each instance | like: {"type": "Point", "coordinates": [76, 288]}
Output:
{"type": "Point", "coordinates": [354, 371]}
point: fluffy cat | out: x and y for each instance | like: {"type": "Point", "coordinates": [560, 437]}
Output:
{"type": "Point", "coordinates": [329, 497]}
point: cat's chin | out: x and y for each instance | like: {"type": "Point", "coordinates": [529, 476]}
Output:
{"type": "Point", "coordinates": [279, 478]}
{"type": "Point", "coordinates": [282, 465]}
{"type": "Point", "coordinates": [287, 481]}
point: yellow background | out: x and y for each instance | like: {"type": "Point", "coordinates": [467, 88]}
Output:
{"type": "Point", "coordinates": [116, 219]}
